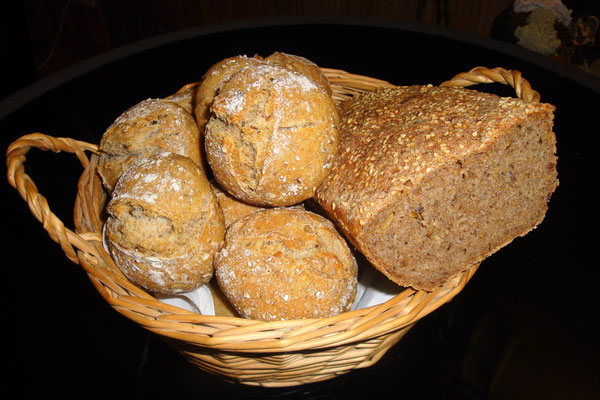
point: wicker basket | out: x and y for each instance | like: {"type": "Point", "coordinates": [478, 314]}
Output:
{"type": "Point", "coordinates": [279, 353]}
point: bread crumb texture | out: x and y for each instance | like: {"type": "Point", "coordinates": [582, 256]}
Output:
{"type": "Point", "coordinates": [164, 225]}
{"type": "Point", "coordinates": [431, 180]}
{"type": "Point", "coordinates": [286, 263]}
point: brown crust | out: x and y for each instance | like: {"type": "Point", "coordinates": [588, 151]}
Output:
{"type": "Point", "coordinates": [185, 97]}
{"type": "Point", "coordinates": [233, 209]}
{"type": "Point", "coordinates": [272, 136]}
{"type": "Point", "coordinates": [212, 80]}
{"type": "Point", "coordinates": [149, 127]}
{"type": "Point", "coordinates": [164, 224]}
{"type": "Point", "coordinates": [286, 263]}
{"type": "Point", "coordinates": [302, 65]}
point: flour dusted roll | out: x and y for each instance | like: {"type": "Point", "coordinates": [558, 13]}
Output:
{"type": "Point", "coordinates": [150, 127]}
{"type": "Point", "coordinates": [212, 80]}
{"type": "Point", "coordinates": [272, 136]}
{"type": "Point", "coordinates": [302, 65]}
{"type": "Point", "coordinates": [164, 225]}
{"type": "Point", "coordinates": [286, 263]}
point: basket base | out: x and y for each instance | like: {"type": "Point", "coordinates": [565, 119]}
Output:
{"type": "Point", "coordinates": [288, 369]}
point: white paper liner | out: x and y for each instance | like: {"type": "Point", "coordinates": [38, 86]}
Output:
{"type": "Point", "coordinates": [199, 301]}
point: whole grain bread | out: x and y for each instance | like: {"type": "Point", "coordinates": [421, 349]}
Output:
{"type": "Point", "coordinates": [302, 65]}
{"type": "Point", "coordinates": [272, 136]}
{"type": "Point", "coordinates": [212, 80]}
{"type": "Point", "coordinates": [233, 209]}
{"type": "Point", "coordinates": [164, 224]}
{"type": "Point", "coordinates": [286, 263]}
{"type": "Point", "coordinates": [185, 97]}
{"type": "Point", "coordinates": [150, 127]}
{"type": "Point", "coordinates": [431, 180]}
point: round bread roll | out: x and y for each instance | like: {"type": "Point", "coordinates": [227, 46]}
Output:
{"type": "Point", "coordinates": [233, 209]}
{"type": "Point", "coordinates": [212, 80]}
{"type": "Point", "coordinates": [150, 127]}
{"type": "Point", "coordinates": [286, 263]}
{"type": "Point", "coordinates": [302, 65]}
{"type": "Point", "coordinates": [164, 225]}
{"type": "Point", "coordinates": [221, 304]}
{"type": "Point", "coordinates": [272, 136]}
{"type": "Point", "coordinates": [185, 97]}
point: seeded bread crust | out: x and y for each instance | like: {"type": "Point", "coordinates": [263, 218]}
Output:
{"type": "Point", "coordinates": [431, 180]}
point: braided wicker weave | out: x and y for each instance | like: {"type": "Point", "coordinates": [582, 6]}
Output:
{"type": "Point", "coordinates": [279, 353]}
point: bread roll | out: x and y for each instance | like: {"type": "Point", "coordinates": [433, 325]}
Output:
{"type": "Point", "coordinates": [233, 209]}
{"type": "Point", "coordinates": [302, 65]}
{"type": "Point", "coordinates": [211, 82]}
{"type": "Point", "coordinates": [283, 263]}
{"type": "Point", "coordinates": [223, 307]}
{"type": "Point", "coordinates": [164, 225]}
{"type": "Point", "coordinates": [431, 180]}
{"type": "Point", "coordinates": [272, 136]}
{"type": "Point", "coordinates": [185, 97]}
{"type": "Point", "coordinates": [150, 127]}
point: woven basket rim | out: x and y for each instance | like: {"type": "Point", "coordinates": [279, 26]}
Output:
{"type": "Point", "coordinates": [84, 247]}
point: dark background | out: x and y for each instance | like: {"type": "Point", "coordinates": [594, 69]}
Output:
{"type": "Point", "coordinates": [523, 328]}
{"type": "Point", "coordinates": [41, 37]}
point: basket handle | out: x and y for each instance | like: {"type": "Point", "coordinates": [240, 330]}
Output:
{"type": "Point", "coordinates": [512, 78]}
{"type": "Point", "coordinates": [15, 159]}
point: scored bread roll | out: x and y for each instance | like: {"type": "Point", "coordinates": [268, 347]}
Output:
{"type": "Point", "coordinates": [272, 136]}
{"type": "Point", "coordinates": [212, 80]}
{"type": "Point", "coordinates": [164, 225]}
{"type": "Point", "coordinates": [150, 127]}
{"type": "Point", "coordinates": [302, 65]}
{"type": "Point", "coordinates": [286, 263]}
{"type": "Point", "coordinates": [431, 180]}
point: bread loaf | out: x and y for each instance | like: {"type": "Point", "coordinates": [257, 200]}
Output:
{"type": "Point", "coordinates": [286, 263]}
{"type": "Point", "coordinates": [164, 224]}
{"type": "Point", "coordinates": [431, 180]}
{"type": "Point", "coordinates": [220, 72]}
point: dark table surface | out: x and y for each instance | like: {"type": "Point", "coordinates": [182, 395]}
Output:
{"type": "Point", "coordinates": [523, 328]}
